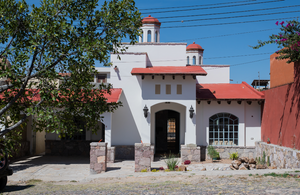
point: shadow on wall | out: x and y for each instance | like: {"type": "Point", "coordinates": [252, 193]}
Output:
{"type": "Point", "coordinates": [124, 128]}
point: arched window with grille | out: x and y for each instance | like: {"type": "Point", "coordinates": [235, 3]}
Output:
{"type": "Point", "coordinates": [156, 36]}
{"type": "Point", "coordinates": [188, 60]}
{"type": "Point", "coordinates": [224, 129]}
{"type": "Point", "coordinates": [194, 60]}
{"type": "Point", "coordinates": [149, 36]}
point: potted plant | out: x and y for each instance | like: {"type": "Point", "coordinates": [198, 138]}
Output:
{"type": "Point", "coordinates": [268, 141]}
{"type": "Point", "coordinates": [212, 152]}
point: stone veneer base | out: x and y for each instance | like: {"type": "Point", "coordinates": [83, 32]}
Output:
{"type": "Point", "coordinates": [111, 154]}
{"type": "Point", "coordinates": [190, 152]}
{"type": "Point", "coordinates": [98, 157]}
{"type": "Point", "coordinates": [143, 156]}
{"type": "Point", "coordinates": [224, 151]}
{"type": "Point", "coordinates": [280, 157]}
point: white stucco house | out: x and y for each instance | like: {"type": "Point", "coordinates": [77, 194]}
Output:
{"type": "Point", "coordinates": [171, 99]}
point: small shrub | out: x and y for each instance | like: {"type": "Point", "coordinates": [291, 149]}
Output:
{"type": "Point", "coordinates": [167, 170]}
{"type": "Point", "coordinates": [161, 168]}
{"type": "Point", "coordinates": [153, 170]}
{"type": "Point", "coordinates": [234, 155]}
{"type": "Point", "coordinates": [212, 152]}
{"type": "Point", "coordinates": [187, 162]}
{"type": "Point", "coordinates": [171, 162]}
{"type": "Point", "coordinates": [144, 170]}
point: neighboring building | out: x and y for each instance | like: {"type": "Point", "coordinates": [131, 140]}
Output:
{"type": "Point", "coordinates": [170, 99]}
{"type": "Point", "coordinates": [280, 120]}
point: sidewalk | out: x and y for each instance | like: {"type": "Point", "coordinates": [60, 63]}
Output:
{"type": "Point", "coordinates": [59, 168]}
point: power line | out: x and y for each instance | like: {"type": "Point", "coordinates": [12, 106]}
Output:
{"type": "Point", "coordinates": [232, 12]}
{"type": "Point", "coordinates": [181, 10]}
{"type": "Point", "coordinates": [197, 25]}
{"type": "Point", "coordinates": [230, 17]}
{"type": "Point", "coordinates": [229, 34]}
{"type": "Point", "coordinates": [243, 55]}
{"type": "Point", "coordinates": [196, 5]}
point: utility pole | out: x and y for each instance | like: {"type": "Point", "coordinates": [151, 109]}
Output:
{"type": "Point", "coordinates": [258, 78]}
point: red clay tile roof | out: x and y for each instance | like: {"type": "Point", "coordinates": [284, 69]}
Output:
{"type": "Point", "coordinates": [113, 97]}
{"type": "Point", "coordinates": [194, 46]}
{"type": "Point", "coordinates": [150, 20]}
{"type": "Point", "coordinates": [170, 70]}
{"type": "Point", "coordinates": [227, 91]}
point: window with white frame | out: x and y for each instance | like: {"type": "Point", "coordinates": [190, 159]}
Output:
{"type": "Point", "coordinates": [224, 129]}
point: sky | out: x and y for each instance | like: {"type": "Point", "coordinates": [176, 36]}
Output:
{"type": "Point", "coordinates": [224, 28]}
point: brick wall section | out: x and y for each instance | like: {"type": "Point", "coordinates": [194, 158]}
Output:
{"type": "Point", "coordinates": [67, 148]}
{"type": "Point", "coordinates": [98, 157]}
{"type": "Point", "coordinates": [281, 157]}
{"type": "Point", "coordinates": [124, 152]}
{"type": "Point", "coordinates": [111, 154]}
{"type": "Point", "coordinates": [143, 155]}
{"type": "Point", "coordinates": [190, 152]}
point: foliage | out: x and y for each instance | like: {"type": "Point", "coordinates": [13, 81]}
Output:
{"type": "Point", "coordinates": [187, 162]}
{"type": "Point", "coordinates": [161, 168]}
{"type": "Point", "coordinates": [144, 170]}
{"type": "Point", "coordinates": [167, 170]}
{"type": "Point", "coordinates": [284, 175]}
{"type": "Point", "coordinates": [171, 162]}
{"type": "Point", "coordinates": [212, 152]}
{"type": "Point", "coordinates": [262, 161]}
{"type": "Point", "coordinates": [234, 155]}
{"type": "Point", "coordinates": [288, 41]}
{"type": "Point", "coordinates": [154, 170]}
{"type": "Point", "coordinates": [66, 37]}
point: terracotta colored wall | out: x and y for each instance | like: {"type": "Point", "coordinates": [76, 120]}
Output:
{"type": "Point", "coordinates": [281, 114]}
{"type": "Point", "coordinates": [281, 73]}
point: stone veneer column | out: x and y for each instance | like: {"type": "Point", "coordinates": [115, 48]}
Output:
{"type": "Point", "coordinates": [190, 152]}
{"type": "Point", "coordinates": [98, 157]}
{"type": "Point", "coordinates": [111, 154]}
{"type": "Point", "coordinates": [143, 155]}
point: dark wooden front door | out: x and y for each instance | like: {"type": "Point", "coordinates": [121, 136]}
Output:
{"type": "Point", "coordinates": [167, 132]}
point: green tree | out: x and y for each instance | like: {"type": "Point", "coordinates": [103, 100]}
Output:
{"type": "Point", "coordinates": [59, 36]}
{"type": "Point", "coordinates": [288, 41]}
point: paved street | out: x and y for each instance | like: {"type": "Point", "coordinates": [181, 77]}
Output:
{"type": "Point", "coordinates": [70, 175]}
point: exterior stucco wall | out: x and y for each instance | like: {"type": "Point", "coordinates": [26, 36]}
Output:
{"type": "Point", "coordinates": [160, 54]}
{"type": "Point", "coordinates": [249, 120]}
{"type": "Point", "coordinates": [281, 73]}
{"type": "Point", "coordinates": [215, 74]}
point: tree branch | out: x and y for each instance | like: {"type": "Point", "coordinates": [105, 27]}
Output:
{"type": "Point", "coordinates": [5, 131]}
{"type": "Point", "coordinates": [3, 110]}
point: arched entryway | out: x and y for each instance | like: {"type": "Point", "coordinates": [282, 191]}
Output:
{"type": "Point", "coordinates": [167, 128]}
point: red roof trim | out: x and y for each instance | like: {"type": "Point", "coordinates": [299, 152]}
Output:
{"type": "Point", "coordinates": [227, 91]}
{"type": "Point", "coordinates": [169, 70]}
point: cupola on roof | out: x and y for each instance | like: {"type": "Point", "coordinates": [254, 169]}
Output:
{"type": "Point", "coordinates": [150, 20]}
{"type": "Point", "coordinates": [194, 46]}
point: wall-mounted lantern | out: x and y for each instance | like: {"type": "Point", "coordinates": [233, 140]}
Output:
{"type": "Point", "coordinates": [145, 111]}
{"type": "Point", "coordinates": [191, 112]}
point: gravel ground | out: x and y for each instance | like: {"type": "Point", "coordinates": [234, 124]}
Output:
{"type": "Point", "coordinates": [187, 183]}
